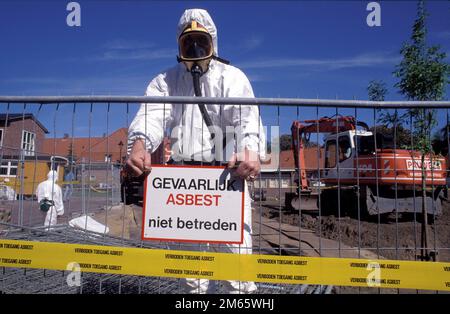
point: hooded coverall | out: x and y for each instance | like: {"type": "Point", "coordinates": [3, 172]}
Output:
{"type": "Point", "coordinates": [189, 133]}
{"type": "Point", "coordinates": [50, 190]}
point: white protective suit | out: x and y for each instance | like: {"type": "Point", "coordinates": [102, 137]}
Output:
{"type": "Point", "coordinates": [52, 191]}
{"type": "Point", "coordinates": [185, 122]}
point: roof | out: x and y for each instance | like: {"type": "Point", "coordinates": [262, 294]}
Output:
{"type": "Point", "coordinates": [94, 148]}
{"type": "Point", "coordinates": [60, 146]}
{"type": "Point", "coordinates": [19, 116]}
{"type": "Point", "coordinates": [108, 144]}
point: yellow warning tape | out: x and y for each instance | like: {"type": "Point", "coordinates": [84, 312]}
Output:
{"type": "Point", "coordinates": [226, 266]}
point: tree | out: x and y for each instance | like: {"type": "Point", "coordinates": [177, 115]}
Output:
{"type": "Point", "coordinates": [401, 135]}
{"type": "Point", "coordinates": [390, 122]}
{"type": "Point", "coordinates": [440, 141]}
{"type": "Point", "coordinates": [285, 142]}
{"type": "Point", "coordinates": [423, 75]}
{"type": "Point", "coordinates": [423, 72]}
{"type": "Point", "coordinates": [376, 90]}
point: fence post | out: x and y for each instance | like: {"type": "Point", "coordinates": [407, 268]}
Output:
{"type": "Point", "coordinates": [83, 183]}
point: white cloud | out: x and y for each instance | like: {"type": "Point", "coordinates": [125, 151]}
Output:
{"type": "Point", "coordinates": [257, 78]}
{"type": "Point", "coordinates": [143, 54]}
{"type": "Point", "coordinates": [127, 44]}
{"type": "Point", "coordinates": [125, 49]}
{"type": "Point", "coordinates": [86, 85]}
{"type": "Point", "coordinates": [252, 43]}
{"type": "Point", "coordinates": [31, 80]}
{"type": "Point", "coordinates": [363, 60]}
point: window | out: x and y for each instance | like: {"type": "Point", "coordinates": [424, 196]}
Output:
{"type": "Point", "coordinates": [264, 183]}
{"type": "Point", "coordinates": [260, 184]}
{"type": "Point", "coordinates": [273, 183]}
{"type": "Point", "coordinates": [285, 183]}
{"type": "Point", "coordinates": [330, 158]}
{"type": "Point", "coordinates": [8, 169]}
{"type": "Point", "coordinates": [1, 137]}
{"type": "Point", "coordinates": [345, 151]}
{"type": "Point", "coordinates": [366, 144]}
{"type": "Point", "coordinates": [345, 148]}
{"type": "Point", "coordinates": [28, 140]}
{"type": "Point", "coordinates": [108, 158]}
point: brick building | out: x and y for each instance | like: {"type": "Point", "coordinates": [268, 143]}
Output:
{"type": "Point", "coordinates": [19, 133]}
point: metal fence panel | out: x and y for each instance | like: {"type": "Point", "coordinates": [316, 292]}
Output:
{"type": "Point", "coordinates": [328, 190]}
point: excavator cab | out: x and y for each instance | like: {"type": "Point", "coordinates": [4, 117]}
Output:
{"type": "Point", "coordinates": [335, 154]}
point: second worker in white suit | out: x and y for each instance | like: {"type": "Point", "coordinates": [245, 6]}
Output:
{"type": "Point", "coordinates": [201, 72]}
{"type": "Point", "coordinates": [49, 196]}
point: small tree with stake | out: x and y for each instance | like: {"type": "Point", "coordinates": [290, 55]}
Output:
{"type": "Point", "coordinates": [423, 75]}
{"type": "Point", "coordinates": [376, 90]}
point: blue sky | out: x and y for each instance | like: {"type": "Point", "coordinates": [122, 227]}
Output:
{"type": "Point", "coordinates": [302, 49]}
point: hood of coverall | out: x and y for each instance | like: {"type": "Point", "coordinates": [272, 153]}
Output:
{"type": "Point", "coordinates": [202, 17]}
{"type": "Point", "coordinates": [52, 176]}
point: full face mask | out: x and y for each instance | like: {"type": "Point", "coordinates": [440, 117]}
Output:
{"type": "Point", "coordinates": [195, 47]}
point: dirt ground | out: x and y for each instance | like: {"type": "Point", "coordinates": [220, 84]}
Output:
{"type": "Point", "coordinates": [388, 236]}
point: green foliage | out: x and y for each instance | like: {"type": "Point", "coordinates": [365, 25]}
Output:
{"type": "Point", "coordinates": [401, 136]}
{"type": "Point", "coordinates": [391, 120]}
{"type": "Point", "coordinates": [423, 75]}
{"type": "Point", "coordinates": [285, 142]}
{"type": "Point", "coordinates": [441, 140]}
{"type": "Point", "coordinates": [424, 120]}
{"type": "Point", "coordinates": [376, 90]}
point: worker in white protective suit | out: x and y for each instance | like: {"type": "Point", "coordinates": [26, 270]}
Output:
{"type": "Point", "coordinates": [201, 72]}
{"type": "Point", "coordinates": [49, 196]}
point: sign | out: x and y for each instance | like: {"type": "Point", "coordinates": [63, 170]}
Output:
{"type": "Point", "coordinates": [193, 204]}
{"type": "Point", "coordinates": [417, 164]}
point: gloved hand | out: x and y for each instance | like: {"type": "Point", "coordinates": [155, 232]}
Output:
{"type": "Point", "coordinates": [139, 161]}
{"type": "Point", "coordinates": [247, 163]}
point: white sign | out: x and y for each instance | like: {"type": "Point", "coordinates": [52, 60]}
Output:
{"type": "Point", "coordinates": [193, 204]}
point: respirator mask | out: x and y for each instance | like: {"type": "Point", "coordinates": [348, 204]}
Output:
{"type": "Point", "coordinates": [195, 47]}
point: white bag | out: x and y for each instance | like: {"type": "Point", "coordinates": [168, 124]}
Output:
{"type": "Point", "coordinates": [89, 224]}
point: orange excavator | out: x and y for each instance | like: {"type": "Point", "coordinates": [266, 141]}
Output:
{"type": "Point", "coordinates": [363, 171]}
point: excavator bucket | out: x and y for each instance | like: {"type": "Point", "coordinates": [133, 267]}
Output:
{"type": "Point", "coordinates": [380, 204]}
